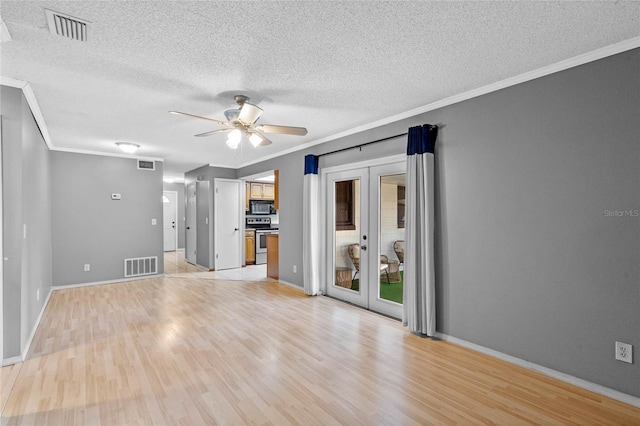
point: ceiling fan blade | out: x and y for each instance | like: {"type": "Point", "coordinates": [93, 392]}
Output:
{"type": "Point", "coordinates": [283, 130]}
{"type": "Point", "coordinates": [249, 113]}
{"type": "Point", "coordinates": [224, 123]}
{"type": "Point", "coordinates": [265, 140]}
{"type": "Point", "coordinates": [213, 131]}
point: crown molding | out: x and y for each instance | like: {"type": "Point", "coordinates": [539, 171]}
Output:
{"type": "Point", "coordinates": [30, 96]}
{"type": "Point", "coordinates": [575, 61]}
{"type": "Point", "coordinates": [106, 154]}
{"type": "Point", "coordinates": [5, 35]}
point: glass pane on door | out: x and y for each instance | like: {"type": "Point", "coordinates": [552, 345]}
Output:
{"type": "Point", "coordinates": [391, 237]}
{"type": "Point", "coordinates": [347, 234]}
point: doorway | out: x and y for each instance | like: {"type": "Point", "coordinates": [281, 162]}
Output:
{"type": "Point", "coordinates": [364, 222]}
{"type": "Point", "coordinates": [169, 221]}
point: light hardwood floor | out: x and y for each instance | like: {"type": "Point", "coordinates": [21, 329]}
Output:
{"type": "Point", "coordinates": [184, 350]}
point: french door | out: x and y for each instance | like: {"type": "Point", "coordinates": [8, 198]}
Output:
{"type": "Point", "coordinates": [364, 221]}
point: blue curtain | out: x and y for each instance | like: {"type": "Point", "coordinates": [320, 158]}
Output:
{"type": "Point", "coordinates": [419, 307]}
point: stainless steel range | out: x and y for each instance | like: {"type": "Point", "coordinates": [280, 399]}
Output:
{"type": "Point", "coordinates": [262, 225]}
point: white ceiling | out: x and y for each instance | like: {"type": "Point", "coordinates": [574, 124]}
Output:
{"type": "Point", "coordinates": [328, 66]}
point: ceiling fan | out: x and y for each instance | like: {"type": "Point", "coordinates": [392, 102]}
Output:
{"type": "Point", "coordinates": [243, 121]}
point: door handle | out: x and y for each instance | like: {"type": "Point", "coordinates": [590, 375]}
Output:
{"type": "Point", "coordinates": [188, 227]}
{"type": "Point", "coordinates": [235, 229]}
{"type": "Point", "coordinates": [363, 248]}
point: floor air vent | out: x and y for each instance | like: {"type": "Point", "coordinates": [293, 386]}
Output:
{"type": "Point", "coordinates": [140, 266]}
{"type": "Point", "coordinates": [67, 26]}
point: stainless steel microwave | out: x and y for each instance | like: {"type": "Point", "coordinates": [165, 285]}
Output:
{"type": "Point", "coordinates": [261, 207]}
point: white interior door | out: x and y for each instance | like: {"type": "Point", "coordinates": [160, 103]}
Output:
{"type": "Point", "coordinates": [228, 232]}
{"type": "Point", "coordinates": [363, 220]}
{"type": "Point", "coordinates": [190, 235]}
{"type": "Point", "coordinates": [170, 216]}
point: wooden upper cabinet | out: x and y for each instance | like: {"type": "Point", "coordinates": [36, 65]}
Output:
{"type": "Point", "coordinates": [247, 195]}
{"type": "Point", "coordinates": [267, 191]}
{"type": "Point", "coordinates": [256, 190]}
{"type": "Point", "coordinates": [261, 191]}
{"type": "Point", "coordinates": [276, 189]}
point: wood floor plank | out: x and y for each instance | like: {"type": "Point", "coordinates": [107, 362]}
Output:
{"type": "Point", "coordinates": [181, 350]}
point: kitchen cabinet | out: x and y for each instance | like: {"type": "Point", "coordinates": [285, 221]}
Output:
{"type": "Point", "coordinates": [272, 256]}
{"type": "Point", "coordinates": [261, 191]}
{"type": "Point", "coordinates": [247, 195]}
{"type": "Point", "coordinates": [267, 191]}
{"type": "Point", "coordinates": [250, 246]}
{"type": "Point", "coordinates": [276, 189]}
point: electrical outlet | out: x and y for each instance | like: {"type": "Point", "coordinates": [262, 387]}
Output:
{"type": "Point", "coordinates": [154, 222]}
{"type": "Point", "coordinates": [87, 267]}
{"type": "Point", "coordinates": [295, 269]}
{"type": "Point", "coordinates": [38, 294]}
{"type": "Point", "coordinates": [624, 352]}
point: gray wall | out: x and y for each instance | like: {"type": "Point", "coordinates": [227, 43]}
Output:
{"type": "Point", "coordinates": [204, 177]}
{"type": "Point", "coordinates": [90, 227]}
{"type": "Point", "coordinates": [26, 203]}
{"type": "Point", "coordinates": [529, 261]}
{"type": "Point", "coordinates": [182, 201]}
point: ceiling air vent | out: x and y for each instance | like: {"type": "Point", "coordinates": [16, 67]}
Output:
{"type": "Point", "coordinates": [67, 26]}
{"type": "Point", "coordinates": [146, 165]}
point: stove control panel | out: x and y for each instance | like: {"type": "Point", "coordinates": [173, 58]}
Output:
{"type": "Point", "coordinates": [258, 221]}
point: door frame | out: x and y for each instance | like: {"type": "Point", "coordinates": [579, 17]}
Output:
{"type": "Point", "coordinates": [327, 275]}
{"type": "Point", "coordinates": [191, 213]}
{"type": "Point", "coordinates": [1, 259]}
{"type": "Point", "coordinates": [175, 228]}
{"type": "Point", "coordinates": [216, 220]}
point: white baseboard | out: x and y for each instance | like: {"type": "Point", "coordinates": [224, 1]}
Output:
{"type": "Point", "coordinates": [567, 378]}
{"type": "Point", "coordinates": [121, 280]}
{"type": "Point", "coordinates": [297, 287]}
{"type": "Point", "coordinates": [12, 360]}
{"type": "Point", "coordinates": [25, 350]}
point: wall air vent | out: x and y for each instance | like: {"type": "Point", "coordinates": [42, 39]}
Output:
{"type": "Point", "coordinates": [68, 26]}
{"type": "Point", "coordinates": [146, 165]}
{"type": "Point", "coordinates": [139, 266]}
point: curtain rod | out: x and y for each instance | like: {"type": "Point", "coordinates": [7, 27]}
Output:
{"type": "Point", "coordinates": [362, 144]}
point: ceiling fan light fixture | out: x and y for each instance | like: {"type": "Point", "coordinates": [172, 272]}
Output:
{"type": "Point", "coordinates": [128, 147]}
{"type": "Point", "coordinates": [249, 113]}
{"type": "Point", "coordinates": [233, 140]}
{"type": "Point", "coordinates": [255, 139]}
{"type": "Point", "coordinates": [232, 115]}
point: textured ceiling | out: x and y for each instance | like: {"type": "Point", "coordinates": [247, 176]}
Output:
{"type": "Point", "coordinates": [327, 66]}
